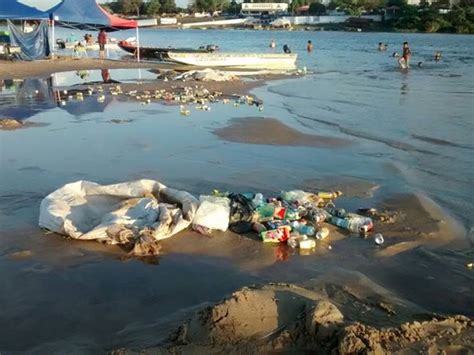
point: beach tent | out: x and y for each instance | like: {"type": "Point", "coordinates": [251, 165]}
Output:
{"type": "Point", "coordinates": [86, 14]}
{"type": "Point", "coordinates": [34, 45]}
{"type": "Point", "coordinates": [13, 10]}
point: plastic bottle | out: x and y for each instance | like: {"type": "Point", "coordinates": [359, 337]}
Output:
{"type": "Point", "coordinates": [258, 200]}
{"type": "Point", "coordinates": [302, 228]}
{"type": "Point", "coordinates": [306, 230]}
{"type": "Point", "coordinates": [318, 215]}
{"type": "Point", "coordinates": [355, 225]}
{"type": "Point", "coordinates": [295, 196]}
{"type": "Point", "coordinates": [292, 214]}
{"type": "Point", "coordinates": [322, 234]}
{"type": "Point", "coordinates": [338, 212]}
{"type": "Point", "coordinates": [293, 242]}
{"type": "Point", "coordinates": [329, 195]}
{"type": "Point", "coordinates": [307, 243]}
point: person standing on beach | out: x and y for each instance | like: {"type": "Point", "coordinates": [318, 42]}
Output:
{"type": "Point", "coordinates": [102, 39]}
{"type": "Point", "coordinates": [406, 55]}
{"type": "Point", "coordinates": [272, 44]}
{"type": "Point", "coordinates": [309, 47]}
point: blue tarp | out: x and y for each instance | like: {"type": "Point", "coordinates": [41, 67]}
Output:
{"type": "Point", "coordinates": [34, 45]}
{"type": "Point", "coordinates": [13, 10]}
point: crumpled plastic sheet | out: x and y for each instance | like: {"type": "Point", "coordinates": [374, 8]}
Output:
{"type": "Point", "coordinates": [207, 75]}
{"type": "Point", "coordinates": [138, 213]}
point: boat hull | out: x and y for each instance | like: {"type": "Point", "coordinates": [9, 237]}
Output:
{"type": "Point", "coordinates": [155, 52]}
{"type": "Point", "coordinates": [235, 60]}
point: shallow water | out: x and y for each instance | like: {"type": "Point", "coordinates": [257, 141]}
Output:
{"type": "Point", "coordinates": [409, 132]}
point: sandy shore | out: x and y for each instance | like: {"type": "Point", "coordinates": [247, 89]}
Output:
{"type": "Point", "coordinates": [255, 130]}
{"type": "Point", "coordinates": [40, 68]}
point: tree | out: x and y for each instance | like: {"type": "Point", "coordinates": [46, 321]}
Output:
{"type": "Point", "coordinates": [153, 7]}
{"type": "Point", "coordinates": [317, 9]}
{"type": "Point", "coordinates": [210, 5]}
{"type": "Point", "coordinates": [131, 7]}
{"type": "Point", "coordinates": [168, 6]}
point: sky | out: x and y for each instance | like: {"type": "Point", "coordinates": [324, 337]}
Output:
{"type": "Point", "coordinates": [47, 4]}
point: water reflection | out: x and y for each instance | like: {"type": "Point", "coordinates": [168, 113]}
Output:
{"type": "Point", "coordinates": [22, 99]}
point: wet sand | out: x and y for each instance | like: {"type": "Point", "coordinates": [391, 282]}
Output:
{"type": "Point", "coordinates": [10, 124]}
{"type": "Point", "coordinates": [259, 130]}
{"type": "Point", "coordinates": [368, 284]}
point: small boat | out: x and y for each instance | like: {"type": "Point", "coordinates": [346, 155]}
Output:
{"type": "Point", "coordinates": [157, 52]}
{"type": "Point", "coordinates": [235, 60]}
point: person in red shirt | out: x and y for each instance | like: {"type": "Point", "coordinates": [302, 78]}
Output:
{"type": "Point", "coordinates": [102, 39]}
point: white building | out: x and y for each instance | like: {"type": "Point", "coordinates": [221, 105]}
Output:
{"type": "Point", "coordinates": [264, 8]}
{"type": "Point", "coordinates": [418, 2]}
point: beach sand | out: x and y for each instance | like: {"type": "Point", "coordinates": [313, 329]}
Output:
{"type": "Point", "coordinates": [346, 296]}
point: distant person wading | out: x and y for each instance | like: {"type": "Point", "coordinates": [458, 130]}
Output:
{"type": "Point", "coordinates": [310, 46]}
{"type": "Point", "coordinates": [404, 61]}
{"type": "Point", "coordinates": [102, 39]}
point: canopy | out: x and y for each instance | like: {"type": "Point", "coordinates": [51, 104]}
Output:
{"type": "Point", "coordinates": [87, 14]}
{"type": "Point", "coordinates": [13, 10]}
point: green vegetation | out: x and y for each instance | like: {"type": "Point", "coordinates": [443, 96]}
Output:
{"type": "Point", "coordinates": [398, 15]}
{"type": "Point", "coordinates": [437, 17]}
{"type": "Point", "coordinates": [141, 7]}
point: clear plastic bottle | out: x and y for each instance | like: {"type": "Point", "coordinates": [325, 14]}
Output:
{"type": "Point", "coordinates": [258, 200]}
{"type": "Point", "coordinates": [322, 234]}
{"type": "Point", "coordinates": [354, 225]}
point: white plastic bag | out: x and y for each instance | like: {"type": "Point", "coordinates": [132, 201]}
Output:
{"type": "Point", "coordinates": [117, 214]}
{"type": "Point", "coordinates": [213, 213]}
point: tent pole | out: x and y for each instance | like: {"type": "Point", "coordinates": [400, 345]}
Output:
{"type": "Point", "coordinates": [52, 39]}
{"type": "Point", "coordinates": [138, 44]}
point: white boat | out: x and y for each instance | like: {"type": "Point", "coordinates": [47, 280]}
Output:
{"type": "Point", "coordinates": [94, 46]}
{"type": "Point", "coordinates": [236, 60]}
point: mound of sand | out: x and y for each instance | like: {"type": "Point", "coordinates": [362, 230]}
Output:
{"type": "Point", "coordinates": [10, 124]}
{"type": "Point", "coordinates": [289, 318]}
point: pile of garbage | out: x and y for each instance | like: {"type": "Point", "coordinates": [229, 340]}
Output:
{"type": "Point", "coordinates": [141, 213]}
{"type": "Point", "coordinates": [295, 217]}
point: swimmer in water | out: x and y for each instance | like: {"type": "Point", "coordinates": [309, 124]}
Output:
{"type": "Point", "coordinates": [286, 49]}
{"type": "Point", "coordinates": [406, 55]}
{"type": "Point", "coordinates": [382, 47]}
{"type": "Point", "coordinates": [272, 44]}
{"type": "Point", "coordinates": [310, 46]}
{"type": "Point", "coordinates": [437, 56]}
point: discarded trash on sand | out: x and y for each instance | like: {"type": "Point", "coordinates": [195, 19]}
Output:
{"type": "Point", "coordinates": [139, 214]}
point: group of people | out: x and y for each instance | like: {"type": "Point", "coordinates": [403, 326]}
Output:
{"type": "Point", "coordinates": [287, 50]}
{"type": "Point", "coordinates": [102, 40]}
{"type": "Point", "coordinates": [404, 59]}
